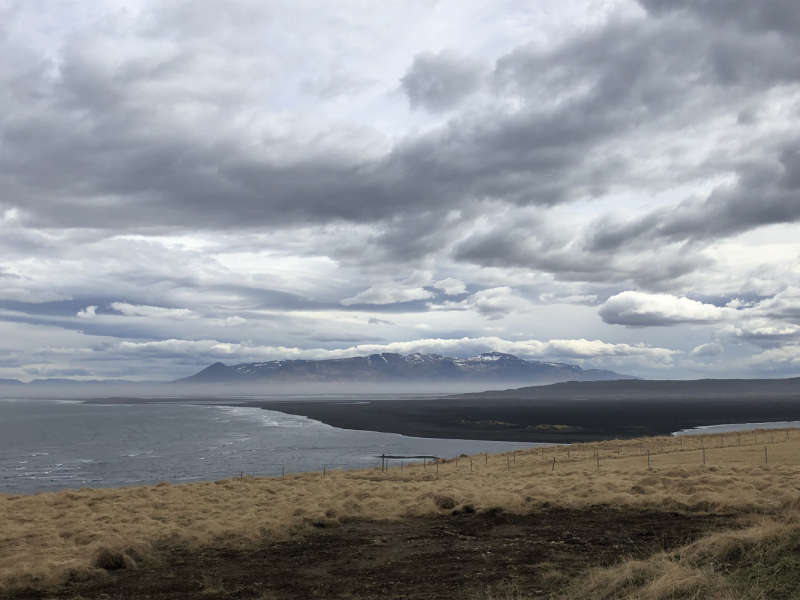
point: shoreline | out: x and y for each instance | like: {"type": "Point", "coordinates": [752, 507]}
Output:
{"type": "Point", "coordinates": [561, 421]}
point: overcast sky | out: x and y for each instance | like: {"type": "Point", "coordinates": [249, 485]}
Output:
{"type": "Point", "coordinates": [607, 183]}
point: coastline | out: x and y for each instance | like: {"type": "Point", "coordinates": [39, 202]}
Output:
{"type": "Point", "coordinates": [560, 421]}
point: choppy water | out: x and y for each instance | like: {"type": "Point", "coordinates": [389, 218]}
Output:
{"type": "Point", "coordinates": [48, 445]}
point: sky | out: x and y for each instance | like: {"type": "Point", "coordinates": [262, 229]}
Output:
{"type": "Point", "coordinates": [607, 183]}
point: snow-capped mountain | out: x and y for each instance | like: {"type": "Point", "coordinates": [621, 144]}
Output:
{"type": "Point", "coordinates": [418, 367]}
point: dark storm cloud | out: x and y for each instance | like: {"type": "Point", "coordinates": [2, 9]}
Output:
{"type": "Point", "coordinates": [766, 193]}
{"type": "Point", "coordinates": [101, 146]}
{"type": "Point", "coordinates": [438, 82]}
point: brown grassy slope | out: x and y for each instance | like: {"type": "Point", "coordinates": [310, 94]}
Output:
{"type": "Point", "coordinates": [44, 536]}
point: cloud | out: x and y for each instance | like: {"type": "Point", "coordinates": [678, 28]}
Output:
{"type": "Point", "coordinates": [88, 312]}
{"type": "Point", "coordinates": [154, 312]}
{"type": "Point", "coordinates": [438, 82]}
{"type": "Point", "coordinates": [579, 349]}
{"type": "Point", "coordinates": [451, 286]}
{"type": "Point", "coordinates": [707, 350]}
{"type": "Point", "coordinates": [637, 309]}
{"type": "Point", "coordinates": [408, 290]}
{"type": "Point", "coordinates": [496, 303]}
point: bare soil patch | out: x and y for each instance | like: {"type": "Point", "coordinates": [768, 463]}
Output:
{"type": "Point", "coordinates": [463, 555]}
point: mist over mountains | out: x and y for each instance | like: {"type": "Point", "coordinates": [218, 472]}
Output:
{"type": "Point", "coordinates": [391, 367]}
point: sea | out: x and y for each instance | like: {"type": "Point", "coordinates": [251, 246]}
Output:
{"type": "Point", "coordinates": [51, 445]}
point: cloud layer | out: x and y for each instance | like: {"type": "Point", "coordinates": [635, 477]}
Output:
{"type": "Point", "coordinates": [183, 180]}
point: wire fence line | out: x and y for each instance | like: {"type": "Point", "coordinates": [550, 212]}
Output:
{"type": "Point", "coordinates": [567, 455]}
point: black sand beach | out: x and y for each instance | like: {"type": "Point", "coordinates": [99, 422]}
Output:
{"type": "Point", "coordinates": [563, 413]}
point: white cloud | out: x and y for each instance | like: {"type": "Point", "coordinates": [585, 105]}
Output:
{"type": "Point", "coordinates": [579, 349]}
{"type": "Point", "coordinates": [638, 309]}
{"type": "Point", "coordinates": [704, 350]}
{"type": "Point", "coordinates": [451, 286]}
{"type": "Point", "coordinates": [88, 312]}
{"type": "Point", "coordinates": [496, 303]}
{"type": "Point", "coordinates": [154, 312]}
{"type": "Point", "coordinates": [392, 292]}
{"type": "Point", "coordinates": [235, 321]}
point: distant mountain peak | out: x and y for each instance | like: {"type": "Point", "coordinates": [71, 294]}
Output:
{"type": "Point", "coordinates": [418, 367]}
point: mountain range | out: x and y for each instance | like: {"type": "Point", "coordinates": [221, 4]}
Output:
{"type": "Point", "coordinates": [391, 367]}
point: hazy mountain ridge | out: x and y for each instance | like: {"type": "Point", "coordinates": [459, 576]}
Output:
{"type": "Point", "coordinates": [645, 389]}
{"type": "Point", "coordinates": [391, 367]}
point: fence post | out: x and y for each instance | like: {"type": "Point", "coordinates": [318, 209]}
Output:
{"type": "Point", "coordinates": [424, 463]}
{"type": "Point", "coordinates": [283, 471]}
{"type": "Point", "coordinates": [487, 458]}
{"type": "Point", "coordinates": [515, 452]}
{"type": "Point", "coordinates": [554, 463]}
{"type": "Point", "coordinates": [704, 456]}
{"type": "Point", "coordinates": [738, 439]}
{"type": "Point", "coordinates": [617, 449]}
{"type": "Point", "coordinates": [383, 463]}
{"type": "Point", "coordinates": [323, 471]}
{"type": "Point", "coordinates": [401, 467]}
{"type": "Point", "coordinates": [766, 458]}
{"type": "Point", "coordinates": [437, 466]}
{"type": "Point", "coordinates": [648, 459]}
{"type": "Point", "coordinates": [721, 441]}
{"type": "Point", "coordinates": [241, 476]}
{"type": "Point", "coordinates": [470, 466]}
{"type": "Point", "coordinates": [597, 455]}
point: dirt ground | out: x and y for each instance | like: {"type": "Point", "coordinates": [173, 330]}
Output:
{"type": "Point", "coordinates": [464, 555]}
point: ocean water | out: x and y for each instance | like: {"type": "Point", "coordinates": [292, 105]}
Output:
{"type": "Point", "coordinates": [49, 445]}
{"type": "Point", "coordinates": [730, 427]}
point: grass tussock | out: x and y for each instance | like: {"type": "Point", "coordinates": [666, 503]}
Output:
{"type": "Point", "coordinates": [45, 538]}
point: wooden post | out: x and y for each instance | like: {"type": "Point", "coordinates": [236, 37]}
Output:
{"type": "Point", "coordinates": [241, 476]}
{"type": "Point", "coordinates": [721, 441]}
{"type": "Point", "coordinates": [568, 456]}
{"type": "Point", "coordinates": [470, 466]}
{"type": "Point", "coordinates": [383, 463]}
{"type": "Point", "coordinates": [680, 441]}
{"type": "Point", "coordinates": [704, 456]}
{"type": "Point", "coordinates": [738, 439]}
{"type": "Point", "coordinates": [424, 464]}
{"type": "Point", "coordinates": [597, 455]}
{"type": "Point", "coordinates": [554, 463]}
{"type": "Point", "coordinates": [401, 467]}
{"type": "Point", "coordinates": [766, 458]}
{"type": "Point", "coordinates": [702, 443]}
{"type": "Point", "coordinates": [662, 446]}
{"type": "Point", "coordinates": [283, 472]}
{"type": "Point", "coordinates": [437, 466]}
{"type": "Point", "coordinates": [487, 458]}
{"type": "Point", "coordinates": [648, 459]}
{"type": "Point", "coordinates": [787, 435]}
{"type": "Point", "coordinates": [515, 452]}
{"type": "Point", "coordinates": [542, 452]}
{"type": "Point", "coordinates": [323, 471]}
{"type": "Point", "coordinates": [641, 449]}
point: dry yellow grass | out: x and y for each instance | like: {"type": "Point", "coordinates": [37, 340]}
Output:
{"type": "Point", "coordinates": [44, 536]}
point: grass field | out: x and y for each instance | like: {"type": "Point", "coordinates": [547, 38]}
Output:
{"type": "Point", "coordinates": [45, 538]}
